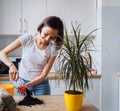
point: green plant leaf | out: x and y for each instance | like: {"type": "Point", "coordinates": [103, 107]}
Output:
{"type": "Point", "coordinates": [72, 64]}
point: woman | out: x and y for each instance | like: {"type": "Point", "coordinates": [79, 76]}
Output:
{"type": "Point", "coordinates": [38, 55]}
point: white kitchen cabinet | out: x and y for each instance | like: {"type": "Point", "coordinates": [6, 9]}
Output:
{"type": "Point", "coordinates": [93, 94]}
{"type": "Point", "coordinates": [61, 8]}
{"type": "Point", "coordinates": [57, 87]}
{"type": "Point", "coordinates": [79, 11]}
{"type": "Point", "coordinates": [33, 12]}
{"type": "Point", "coordinates": [10, 16]}
{"type": "Point", "coordinates": [21, 16]}
{"type": "Point", "coordinates": [84, 12]}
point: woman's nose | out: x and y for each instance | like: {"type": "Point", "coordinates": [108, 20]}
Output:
{"type": "Point", "coordinates": [48, 38]}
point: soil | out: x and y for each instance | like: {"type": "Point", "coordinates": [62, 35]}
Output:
{"type": "Point", "coordinates": [29, 100]}
{"type": "Point", "coordinates": [73, 92]}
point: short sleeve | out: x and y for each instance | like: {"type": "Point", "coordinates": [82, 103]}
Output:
{"type": "Point", "coordinates": [54, 52]}
{"type": "Point", "coordinates": [25, 39]}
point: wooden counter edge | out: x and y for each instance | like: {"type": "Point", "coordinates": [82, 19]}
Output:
{"type": "Point", "coordinates": [51, 76]}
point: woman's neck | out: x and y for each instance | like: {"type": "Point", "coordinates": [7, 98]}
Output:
{"type": "Point", "coordinates": [39, 42]}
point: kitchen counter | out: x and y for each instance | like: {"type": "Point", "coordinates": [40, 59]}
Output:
{"type": "Point", "coordinates": [51, 75]}
{"type": "Point", "coordinates": [53, 103]}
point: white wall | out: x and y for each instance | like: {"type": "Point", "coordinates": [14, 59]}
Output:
{"type": "Point", "coordinates": [110, 54]}
{"type": "Point", "coordinates": [111, 3]}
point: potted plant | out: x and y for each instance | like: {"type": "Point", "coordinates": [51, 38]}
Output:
{"type": "Point", "coordinates": [74, 64]}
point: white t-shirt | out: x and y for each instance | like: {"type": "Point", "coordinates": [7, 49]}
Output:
{"type": "Point", "coordinates": [33, 59]}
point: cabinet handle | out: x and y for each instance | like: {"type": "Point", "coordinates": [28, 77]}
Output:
{"type": "Point", "coordinates": [26, 26]}
{"type": "Point", "coordinates": [21, 26]}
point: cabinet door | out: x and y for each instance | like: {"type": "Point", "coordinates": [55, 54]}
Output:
{"type": "Point", "coordinates": [33, 11]}
{"type": "Point", "coordinates": [81, 11]}
{"type": "Point", "coordinates": [84, 12]}
{"type": "Point", "coordinates": [57, 87]}
{"type": "Point", "coordinates": [10, 14]}
{"type": "Point", "coordinates": [61, 8]}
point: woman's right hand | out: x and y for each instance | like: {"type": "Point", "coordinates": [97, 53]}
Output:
{"type": "Point", "coordinates": [13, 72]}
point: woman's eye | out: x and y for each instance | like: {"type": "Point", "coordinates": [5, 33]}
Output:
{"type": "Point", "coordinates": [53, 37]}
{"type": "Point", "coordinates": [45, 34]}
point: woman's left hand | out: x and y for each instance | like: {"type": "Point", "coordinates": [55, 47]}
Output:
{"type": "Point", "coordinates": [13, 76]}
{"type": "Point", "coordinates": [22, 89]}
{"type": "Point", "coordinates": [13, 72]}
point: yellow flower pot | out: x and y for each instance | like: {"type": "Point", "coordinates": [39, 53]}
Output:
{"type": "Point", "coordinates": [73, 101]}
{"type": "Point", "coordinates": [8, 87]}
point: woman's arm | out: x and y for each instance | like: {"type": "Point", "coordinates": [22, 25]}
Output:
{"type": "Point", "coordinates": [44, 73]}
{"type": "Point", "coordinates": [4, 58]}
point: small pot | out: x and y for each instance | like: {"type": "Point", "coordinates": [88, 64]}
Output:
{"type": "Point", "coordinates": [73, 101]}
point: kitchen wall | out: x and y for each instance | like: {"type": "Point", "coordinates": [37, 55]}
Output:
{"type": "Point", "coordinates": [110, 21]}
{"type": "Point", "coordinates": [6, 40]}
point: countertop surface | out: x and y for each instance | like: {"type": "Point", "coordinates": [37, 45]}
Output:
{"type": "Point", "coordinates": [52, 103]}
{"type": "Point", "coordinates": [51, 75]}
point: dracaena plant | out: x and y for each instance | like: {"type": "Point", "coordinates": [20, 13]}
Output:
{"type": "Point", "coordinates": [74, 59]}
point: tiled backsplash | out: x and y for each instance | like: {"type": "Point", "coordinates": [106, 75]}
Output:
{"type": "Point", "coordinates": [6, 40]}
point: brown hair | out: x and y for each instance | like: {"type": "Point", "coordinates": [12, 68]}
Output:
{"type": "Point", "coordinates": [55, 23]}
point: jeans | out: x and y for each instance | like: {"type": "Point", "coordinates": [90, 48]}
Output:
{"type": "Point", "coordinates": [42, 88]}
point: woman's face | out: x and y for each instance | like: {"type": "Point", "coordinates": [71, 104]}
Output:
{"type": "Point", "coordinates": [48, 34]}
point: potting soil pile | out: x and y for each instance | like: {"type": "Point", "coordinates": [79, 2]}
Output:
{"type": "Point", "coordinates": [29, 100]}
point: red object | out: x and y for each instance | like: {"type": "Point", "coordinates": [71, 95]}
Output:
{"type": "Point", "coordinates": [22, 89]}
{"type": "Point", "coordinates": [92, 69]}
